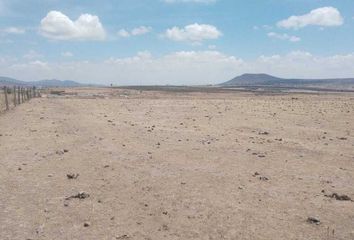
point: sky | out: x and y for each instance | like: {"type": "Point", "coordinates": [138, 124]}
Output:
{"type": "Point", "coordinates": [182, 42]}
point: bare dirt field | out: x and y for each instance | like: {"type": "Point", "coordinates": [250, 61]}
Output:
{"type": "Point", "coordinates": [127, 164]}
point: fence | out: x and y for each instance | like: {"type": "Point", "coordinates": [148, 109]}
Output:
{"type": "Point", "coordinates": [10, 97]}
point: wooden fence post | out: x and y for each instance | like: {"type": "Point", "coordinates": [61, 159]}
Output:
{"type": "Point", "coordinates": [22, 97]}
{"type": "Point", "coordinates": [6, 100]}
{"type": "Point", "coordinates": [14, 93]}
{"type": "Point", "coordinates": [18, 96]}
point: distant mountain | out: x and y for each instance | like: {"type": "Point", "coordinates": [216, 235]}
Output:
{"type": "Point", "coordinates": [268, 80]}
{"type": "Point", "coordinates": [5, 81]}
{"type": "Point", "coordinates": [56, 83]}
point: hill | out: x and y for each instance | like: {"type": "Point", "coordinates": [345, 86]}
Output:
{"type": "Point", "coordinates": [6, 81]}
{"type": "Point", "coordinates": [268, 80]}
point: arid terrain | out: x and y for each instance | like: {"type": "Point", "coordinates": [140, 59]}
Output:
{"type": "Point", "coordinates": [129, 164]}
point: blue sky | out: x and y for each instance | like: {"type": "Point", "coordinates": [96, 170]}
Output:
{"type": "Point", "coordinates": [175, 41]}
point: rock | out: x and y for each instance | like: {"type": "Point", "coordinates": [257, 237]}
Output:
{"type": "Point", "coordinates": [80, 195]}
{"type": "Point", "coordinates": [313, 220]}
{"type": "Point", "coordinates": [263, 178]}
{"type": "Point", "coordinates": [125, 236]}
{"type": "Point", "coordinates": [87, 224]}
{"type": "Point", "coordinates": [72, 175]}
{"type": "Point", "coordinates": [339, 197]}
{"type": "Point", "coordinates": [263, 133]}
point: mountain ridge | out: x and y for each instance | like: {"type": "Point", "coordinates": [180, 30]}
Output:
{"type": "Point", "coordinates": [262, 79]}
{"type": "Point", "coordinates": [7, 81]}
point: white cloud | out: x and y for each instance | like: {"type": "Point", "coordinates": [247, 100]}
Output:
{"type": "Point", "coordinates": [324, 17]}
{"type": "Point", "coordinates": [141, 30]}
{"type": "Point", "coordinates": [58, 26]}
{"type": "Point", "coordinates": [123, 33]}
{"type": "Point", "coordinates": [14, 30]}
{"type": "Point", "coordinates": [67, 54]}
{"type": "Point", "coordinates": [183, 67]}
{"type": "Point", "coordinates": [32, 54]}
{"type": "Point", "coordinates": [134, 32]}
{"type": "Point", "coordinates": [194, 33]}
{"type": "Point", "coordinates": [283, 36]}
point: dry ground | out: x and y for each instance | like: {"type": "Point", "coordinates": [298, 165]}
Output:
{"type": "Point", "coordinates": [177, 166]}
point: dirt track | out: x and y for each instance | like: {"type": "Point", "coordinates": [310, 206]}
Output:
{"type": "Point", "coordinates": [177, 166]}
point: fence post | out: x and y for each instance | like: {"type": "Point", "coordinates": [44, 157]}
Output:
{"type": "Point", "coordinates": [14, 93]}
{"type": "Point", "coordinates": [18, 96]}
{"type": "Point", "coordinates": [22, 97]}
{"type": "Point", "coordinates": [34, 91]}
{"type": "Point", "coordinates": [6, 100]}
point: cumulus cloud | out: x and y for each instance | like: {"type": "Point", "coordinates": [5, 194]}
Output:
{"type": "Point", "coordinates": [58, 26]}
{"type": "Point", "coordinates": [324, 17]}
{"type": "Point", "coordinates": [194, 33]}
{"type": "Point", "coordinates": [135, 31]}
{"type": "Point", "coordinates": [283, 36]}
{"type": "Point", "coordinates": [183, 67]}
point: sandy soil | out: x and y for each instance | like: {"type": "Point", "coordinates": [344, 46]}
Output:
{"type": "Point", "coordinates": [177, 166]}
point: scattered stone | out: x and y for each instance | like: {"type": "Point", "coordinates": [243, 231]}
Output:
{"type": "Point", "coordinates": [263, 178]}
{"type": "Point", "coordinates": [339, 197]}
{"type": "Point", "coordinates": [263, 133]}
{"type": "Point", "coordinates": [125, 236]}
{"type": "Point", "coordinates": [80, 195]}
{"type": "Point", "coordinates": [313, 220]}
{"type": "Point", "coordinates": [87, 224]}
{"type": "Point", "coordinates": [50, 175]}
{"type": "Point", "coordinates": [66, 150]}
{"type": "Point", "coordinates": [72, 175]}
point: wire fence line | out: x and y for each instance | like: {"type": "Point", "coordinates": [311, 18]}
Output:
{"type": "Point", "coordinates": [12, 96]}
